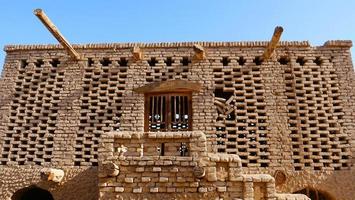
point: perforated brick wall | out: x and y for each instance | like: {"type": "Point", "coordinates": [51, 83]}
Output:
{"type": "Point", "coordinates": [316, 114]}
{"type": "Point", "coordinates": [241, 122]}
{"type": "Point", "coordinates": [101, 101]}
{"type": "Point", "coordinates": [29, 136]}
{"type": "Point", "coordinates": [293, 112]}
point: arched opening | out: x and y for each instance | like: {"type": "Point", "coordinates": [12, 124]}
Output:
{"type": "Point", "coordinates": [314, 194]}
{"type": "Point", "coordinates": [31, 193]}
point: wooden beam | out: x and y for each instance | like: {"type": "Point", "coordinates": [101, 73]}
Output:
{"type": "Point", "coordinates": [273, 43]}
{"type": "Point", "coordinates": [199, 52]}
{"type": "Point", "coordinates": [55, 32]}
{"type": "Point", "coordinates": [137, 53]}
{"type": "Point", "coordinates": [170, 86]}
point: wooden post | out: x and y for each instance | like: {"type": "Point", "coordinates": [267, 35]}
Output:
{"type": "Point", "coordinates": [273, 43]}
{"type": "Point", "coordinates": [55, 32]}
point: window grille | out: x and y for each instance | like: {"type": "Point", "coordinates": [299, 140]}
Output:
{"type": "Point", "coordinates": [168, 112]}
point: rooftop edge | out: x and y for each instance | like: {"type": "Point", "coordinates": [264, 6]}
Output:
{"type": "Point", "coordinates": [329, 43]}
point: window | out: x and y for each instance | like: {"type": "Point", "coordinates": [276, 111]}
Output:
{"type": "Point", "coordinates": [168, 112]}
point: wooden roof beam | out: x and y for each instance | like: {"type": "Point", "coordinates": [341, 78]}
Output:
{"type": "Point", "coordinates": [56, 33]}
{"type": "Point", "coordinates": [273, 43]}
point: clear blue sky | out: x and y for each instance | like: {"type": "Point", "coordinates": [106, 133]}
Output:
{"type": "Point", "coordinates": [92, 21]}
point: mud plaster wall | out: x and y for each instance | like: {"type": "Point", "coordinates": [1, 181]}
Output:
{"type": "Point", "coordinates": [78, 183]}
{"type": "Point", "coordinates": [75, 132]}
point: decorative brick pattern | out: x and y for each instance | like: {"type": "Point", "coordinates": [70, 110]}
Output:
{"type": "Point", "coordinates": [103, 86]}
{"type": "Point", "coordinates": [162, 69]}
{"type": "Point", "coordinates": [316, 116]}
{"type": "Point", "coordinates": [241, 122]}
{"type": "Point", "coordinates": [291, 114]}
{"type": "Point", "coordinates": [29, 135]}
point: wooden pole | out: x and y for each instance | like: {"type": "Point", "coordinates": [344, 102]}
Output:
{"type": "Point", "coordinates": [273, 43]}
{"type": "Point", "coordinates": [55, 32]}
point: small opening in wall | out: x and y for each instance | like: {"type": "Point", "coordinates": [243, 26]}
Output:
{"type": "Point", "coordinates": [169, 61]}
{"type": "Point", "coordinates": [152, 61]}
{"type": "Point", "coordinates": [301, 61]}
{"type": "Point", "coordinates": [258, 60]}
{"type": "Point", "coordinates": [318, 61]}
{"type": "Point", "coordinates": [264, 165]}
{"type": "Point", "coordinates": [105, 62]}
{"type": "Point", "coordinates": [123, 62]}
{"type": "Point", "coordinates": [283, 60]}
{"type": "Point", "coordinates": [55, 62]}
{"type": "Point", "coordinates": [24, 63]}
{"type": "Point", "coordinates": [90, 62]}
{"type": "Point", "coordinates": [241, 61]}
{"type": "Point", "coordinates": [185, 61]}
{"type": "Point", "coordinates": [225, 61]}
{"type": "Point", "coordinates": [39, 62]}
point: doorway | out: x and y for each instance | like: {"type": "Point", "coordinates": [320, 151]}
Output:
{"type": "Point", "coordinates": [31, 193]}
{"type": "Point", "coordinates": [314, 194]}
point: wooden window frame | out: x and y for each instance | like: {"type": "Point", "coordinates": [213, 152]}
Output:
{"type": "Point", "coordinates": [167, 113]}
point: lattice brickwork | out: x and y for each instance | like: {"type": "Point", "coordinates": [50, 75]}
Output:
{"type": "Point", "coordinates": [241, 123]}
{"type": "Point", "coordinates": [103, 86]}
{"type": "Point", "coordinates": [316, 116]}
{"type": "Point", "coordinates": [162, 69]}
{"type": "Point", "coordinates": [29, 135]}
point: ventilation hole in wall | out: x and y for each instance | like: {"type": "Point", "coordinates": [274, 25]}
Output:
{"type": "Point", "coordinates": [90, 62]}
{"type": "Point", "coordinates": [168, 61]}
{"type": "Point", "coordinates": [152, 61]}
{"type": "Point", "coordinates": [241, 61]}
{"type": "Point", "coordinates": [220, 93]}
{"type": "Point", "coordinates": [105, 62]}
{"type": "Point", "coordinates": [55, 62]}
{"type": "Point", "coordinates": [185, 61]}
{"type": "Point", "coordinates": [24, 63]}
{"type": "Point", "coordinates": [301, 61]}
{"type": "Point", "coordinates": [39, 63]}
{"type": "Point", "coordinates": [283, 60]}
{"type": "Point", "coordinates": [123, 62]}
{"type": "Point", "coordinates": [225, 61]}
{"type": "Point", "coordinates": [258, 60]}
{"type": "Point", "coordinates": [318, 61]}
{"type": "Point", "coordinates": [331, 59]}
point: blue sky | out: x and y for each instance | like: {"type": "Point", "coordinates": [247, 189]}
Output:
{"type": "Point", "coordinates": [92, 21]}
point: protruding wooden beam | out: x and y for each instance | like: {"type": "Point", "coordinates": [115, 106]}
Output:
{"type": "Point", "coordinates": [137, 53]}
{"type": "Point", "coordinates": [55, 32]}
{"type": "Point", "coordinates": [273, 43]}
{"type": "Point", "coordinates": [199, 52]}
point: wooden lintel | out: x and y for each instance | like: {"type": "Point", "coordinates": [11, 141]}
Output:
{"type": "Point", "coordinates": [56, 33]}
{"type": "Point", "coordinates": [199, 52]}
{"type": "Point", "coordinates": [169, 86]}
{"type": "Point", "coordinates": [273, 43]}
{"type": "Point", "coordinates": [137, 53]}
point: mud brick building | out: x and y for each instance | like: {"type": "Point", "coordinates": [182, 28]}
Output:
{"type": "Point", "coordinates": [196, 120]}
{"type": "Point", "coordinates": [178, 120]}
